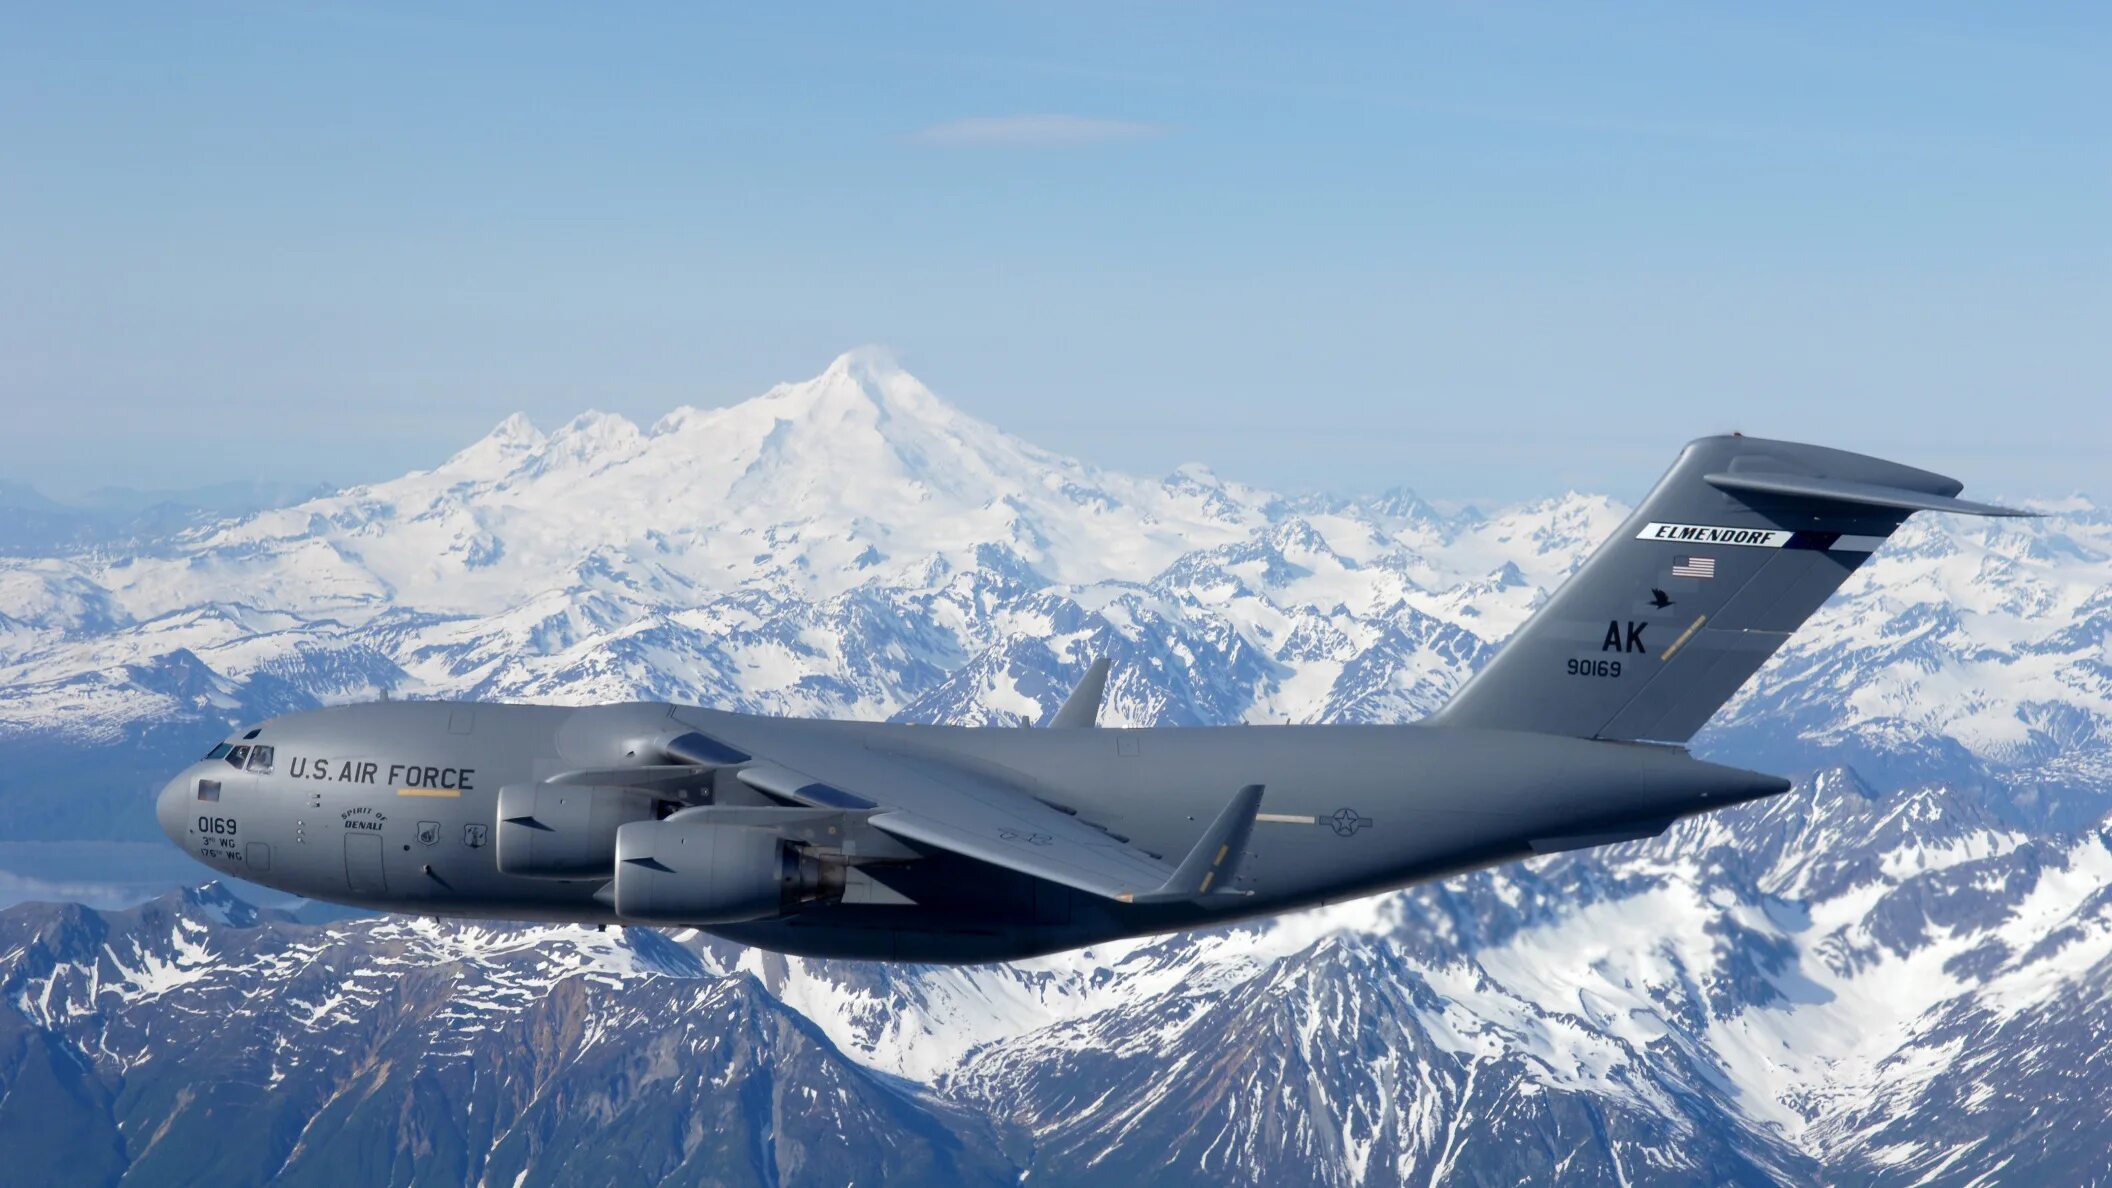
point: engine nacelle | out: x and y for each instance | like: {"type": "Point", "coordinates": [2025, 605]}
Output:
{"type": "Point", "coordinates": [565, 831]}
{"type": "Point", "coordinates": [698, 872]}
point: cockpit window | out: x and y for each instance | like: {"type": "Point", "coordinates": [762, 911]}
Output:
{"type": "Point", "coordinates": [237, 757]}
{"type": "Point", "coordinates": [260, 759]}
{"type": "Point", "coordinates": [219, 752]}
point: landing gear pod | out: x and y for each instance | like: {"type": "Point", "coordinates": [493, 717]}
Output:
{"type": "Point", "coordinates": [697, 872]}
{"type": "Point", "coordinates": [565, 831]}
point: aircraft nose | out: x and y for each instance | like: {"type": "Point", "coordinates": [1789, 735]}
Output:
{"type": "Point", "coordinates": [172, 807]}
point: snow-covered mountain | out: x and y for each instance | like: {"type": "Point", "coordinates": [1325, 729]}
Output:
{"type": "Point", "coordinates": [1837, 985]}
{"type": "Point", "coordinates": [853, 546]}
{"type": "Point", "coordinates": [1897, 972]}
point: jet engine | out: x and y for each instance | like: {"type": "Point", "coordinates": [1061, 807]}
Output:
{"type": "Point", "coordinates": [566, 831]}
{"type": "Point", "coordinates": [700, 871]}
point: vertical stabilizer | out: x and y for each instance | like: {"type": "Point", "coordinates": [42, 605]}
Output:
{"type": "Point", "coordinates": [1735, 547]}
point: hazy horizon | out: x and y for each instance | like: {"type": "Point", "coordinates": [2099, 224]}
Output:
{"type": "Point", "coordinates": [240, 492]}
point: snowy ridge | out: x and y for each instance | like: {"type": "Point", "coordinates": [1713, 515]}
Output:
{"type": "Point", "coordinates": [1894, 973]}
{"type": "Point", "coordinates": [853, 546]}
{"type": "Point", "coordinates": [1839, 984]}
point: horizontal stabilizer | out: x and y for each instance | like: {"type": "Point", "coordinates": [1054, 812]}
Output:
{"type": "Point", "coordinates": [1797, 486]}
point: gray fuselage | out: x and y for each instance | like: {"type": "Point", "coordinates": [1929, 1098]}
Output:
{"type": "Point", "coordinates": [936, 843]}
{"type": "Point", "coordinates": [392, 806]}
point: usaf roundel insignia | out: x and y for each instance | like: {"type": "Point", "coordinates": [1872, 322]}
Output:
{"type": "Point", "coordinates": [1346, 821]}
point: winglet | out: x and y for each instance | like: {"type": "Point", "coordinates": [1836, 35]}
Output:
{"type": "Point", "coordinates": [1082, 708]}
{"type": "Point", "coordinates": [1214, 861]}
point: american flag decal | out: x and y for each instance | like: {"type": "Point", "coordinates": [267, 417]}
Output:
{"type": "Point", "coordinates": [1695, 567]}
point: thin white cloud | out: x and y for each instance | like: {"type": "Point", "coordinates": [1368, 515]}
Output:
{"type": "Point", "coordinates": [1034, 131]}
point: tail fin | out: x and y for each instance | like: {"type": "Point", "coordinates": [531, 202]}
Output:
{"type": "Point", "coordinates": [1735, 547]}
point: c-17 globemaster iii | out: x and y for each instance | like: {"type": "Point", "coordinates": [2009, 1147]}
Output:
{"type": "Point", "coordinates": [935, 843]}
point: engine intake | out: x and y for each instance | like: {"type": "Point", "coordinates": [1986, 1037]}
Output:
{"type": "Point", "coordinates": [697, 872]}
{"type": "Point", "coordinates": [565, 831]}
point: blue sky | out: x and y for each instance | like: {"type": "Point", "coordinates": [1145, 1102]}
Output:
{"type": "Point", "coordinates": [1485, 251]}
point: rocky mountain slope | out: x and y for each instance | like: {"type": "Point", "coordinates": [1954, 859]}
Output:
{"type": "Point", "coordinates": [1839, 985]}
{"type": "Point", "coordinates": [1896, 973]}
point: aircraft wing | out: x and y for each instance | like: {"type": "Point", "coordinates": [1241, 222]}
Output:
{"type": "Point", "coordinates": [945, 805]}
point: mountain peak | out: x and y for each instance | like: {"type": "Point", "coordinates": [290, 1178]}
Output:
{"type": "Point", "coordinates": [871, 363]}
{"type": "Point", "coordinates": [865, 381]}
{"type": "Point", "coordinates": [500, 450]}
{"type": "Point", "coordinates": [593, 434]}
{"type": "Point", "coordinates": [516, 428]}
{"type": "Point", "coordinates": [863, 386]}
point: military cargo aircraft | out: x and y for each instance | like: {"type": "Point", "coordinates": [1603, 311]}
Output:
{"type": "Point", "coordinates": [964, 844]}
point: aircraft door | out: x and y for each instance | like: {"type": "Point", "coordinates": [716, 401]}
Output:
{"type": "Point", "coordinates": [363, 874]}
